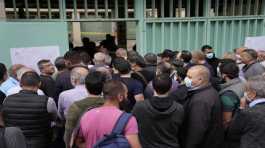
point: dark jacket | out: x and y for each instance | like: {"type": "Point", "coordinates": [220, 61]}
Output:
{"type": "Point", "coordinates": [48, 86]}
{"type": "Point", "coordinates": [250, 125]}
{"type": "Point", "coordinates": [253, 69]}
{"type": "Point", "coordinates": [28, 111]}
{"type": "Point", "coordinates": [214, 62]}
{"type": "Point", "coordinates": [62, 83]}
{"type": "Point", "coordinates": [159, 121]}
{"type": "Point", "coordinates": [203, 119]}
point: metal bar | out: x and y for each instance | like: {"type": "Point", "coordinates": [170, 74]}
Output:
{"type": "Point", "coordinates": [126, 8]}
{"type": "Point", "coordinates": [38, 8]}
{"type": "Point", "coordinates": [163, 35]}
{"type": "Point", "coordinates": [27, 8]}
{"type": "Point", "coordinates": [153, 8]}
{"type": "Point", "coordinates": [255, 27]}
{"type": "Point", "coordinates": [171, 35]}
{"type": "Point", "coordinates": [75, 9]}
{"type": "Point", "coordinates": [240, 32]}
{"type": "Point", "coordinates": [62, 8]}
{"type": "Point", "coordinates": [241, 7]}
{"type": "Point", "coordinates": [96, 8]}
{"type": "Point", "coordinates": [179, 34]}
{"type": "Point", "coordinates": [233, 7]}
{"type": "Point", "coordinates": [197, 5]}
{"type": "Point", "coordinates": [188, 8]}
{"type": "Point", "coordinates": [85, 6]}
{"type": "Point", "coordinates": [106, 3]}
{"type": "Point", "coordinates": [225, 8]}
{"type": "Point", "coordinates": [179, 7]}
{"type": "Point", "coordinates": [116, 9]}
{"type": "Point", "coordinates": [15, 8]}
{"type": "Point", "coordinates": [216, 7]}
{"type": "Point", "coordinates": [232, 34]}
{"type": "Point", "coordinates": [196, 34]}
{"type": "Point", "coordinates": [216, 33]}
{"type": "Point", "coordinates": [188, 36]}
{"type": "Point", "coordinates": [171, 5]}
{"type": "Point", "coordinates": [162, 8]}
{"type": "Point", "coordinates": [256, 9]}
{"type": "Point", "coordinates": [224, 36]}
{"type": "Point", "coordinates": [248, 7]}
{"type": "Point", "coordinates": [49, 9]}
{"type": "Point", "coordinates": [247, 28]}
{"type": "Point", "coordinates": [153, 37]}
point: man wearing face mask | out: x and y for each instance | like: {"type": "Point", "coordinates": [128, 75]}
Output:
{"type": "Point", "coordinates": [248, 122]}
{"type": "Point", "coordinates": [210, 58]}
{"type": "Point", "coordinates": [203, 116]}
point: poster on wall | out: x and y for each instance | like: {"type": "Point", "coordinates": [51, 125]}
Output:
{"type": "Point", "coordinates": [29, 56]}
{"type": "Point", "coordinates": [257, 43]}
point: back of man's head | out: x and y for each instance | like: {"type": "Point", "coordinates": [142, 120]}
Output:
{"type": "Point", "coordinates": [122, 65]}
{"type": "Point", "coordinates": [99, 58]}
{"type": "Point", "coordinates": [162, 84]}
{"type": "Point", "coordinates": [30, 79]}
{"type": "Point", "coordinates": [113, 88]}
{"type": "Point", "coordinates": [14, 69]}
{"type": "Point", "coordinates": [60, 63]}
{"type": "Point", "coordinates": [73, 57]}
{"type": "Point", "coordinates": [163, 68]}
{"type": "Point", "coordinates": [186, 56]}
{"type": "Point", "coordinates": [198, 55]}
{"type": "Point", "coordinates": [252, 53]}
{"type": "Point", "coordinates": [150, 58]}
{"type": "Point", "coordinates": [230, 69]}
{"type": "Point", "coordinates": [137, 59]}
{"type": "Point", "coordinates": [94, 82]}
{"type": "Point", "coordinates": [21, 71]}
{"type": "Point", "coordinates": [202, 72]}
{"type": "Point", "coordinates": [78, 75]}
{"type": "Point", "coordinates": [3, 72]}
{"type": "Point", "coordinates": [121, 52]}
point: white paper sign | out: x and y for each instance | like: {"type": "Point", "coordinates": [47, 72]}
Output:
{"type": "Point", "coordinates": [30, 56]}
{"type": "Point", "coordinates": [257, 43]}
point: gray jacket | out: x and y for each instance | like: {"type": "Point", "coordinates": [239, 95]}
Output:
{"type": "Point", "coordinates": [235, 85]}
{"type": "Point", "coordinates": [253, 69]}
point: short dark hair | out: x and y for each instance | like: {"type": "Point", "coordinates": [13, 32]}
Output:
{"type": "Point", "coordinates": [162, 83]}
{"type": "Point", "coordinates": [164, 68]}
{"type": "Point", "coordinates": [168, 53]}
{"type": "Point", "coordinates": [186, 56]}
{"type": "Point", "coordinates": [85, 58]}
{"type": "Point", "coordinates": [122, 65]}
{"type": "Point", "coordinates": [151, 58]}
{"type": "Point", "coordinates": [204, 47]}
{"type": "Point", "coordinates": [252, 53]}
{"type": "Point", "coordinates": [3, 71]}
{"type": "Point", "coordinates": [73, 57]}
{"type": "Point", "coordinates": [94, 82]}
{"type": "Point", "coordinates": [42, 62]}
{"type": "Point", "coordinates": [230, 69]}
{"type": "Point", "coordinates": [182, 72]}
{"type": "Point", "coordinates": [60, 63]}
{"type": "Point", "coordinates": [30, 78]}
{"type": "Point", "coordinates": [112, 88]}
{"type": "Point", "coordinates": [137, 59]}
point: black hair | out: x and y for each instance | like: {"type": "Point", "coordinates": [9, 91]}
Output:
{"type": "Point", "coordinates": [85, 58]}
{"type": "Point", "coordinates": [112, 89]}
{"type": "Point", "coordinates": [164, 68]}
{"type": "Point", "coordinates": [42, 62]}
{"type": "Point", "coordinates": [230, 69]}
{"type": "Point", "coordinates": [137, 59]}
{"type": "Point", "coordinates": [30, 78]}
{"type": "Point", "coordinates": [73, 57]}
{"type": "Point", "coordinates": [3, 71]}
{"type": "Point", "coordinates": [252, 53]}
{"type": "Point", "coordinates": [94, 82]}
{"type": "Point", "coordinates": [204, 47]}
{"type": "Point", "coordinates": [182, 72]}
{"type": "Point", "coordinates": [151, 58]}
{"type": "Point", "coordinates": [186, 56]}
{"type": "Point", "coordinates": [122, 65]}
{"type": "Point", "coordinates": [162, 83]}
{"type": "Point", "coordinates": [85, 41]}
{"type": "Point", "coordinates": [60, 63]}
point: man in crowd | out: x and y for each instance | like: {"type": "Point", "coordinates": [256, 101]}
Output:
{"type": "Point", "coordinates": [68, 97]}
{"type": "Point", "coordinates": [186, 57]}
{"type": "Point", "coordinates": [60, 66]}
{"type": "Point", "coordinates": [94, 84]}
{"type": "Point", "coordinates": [203, 116]}
{"type": "Point", "coordinates": [121, 53]}
{"type": "Point", "coordinates": [12, 81]}
{"type": "Point", "coordinates": [46, 69]}
{"type": "Point", "coordinates": [210, 58]}
{"type": "Point", "coordinates": [252, 66]}
{"type": "Point", "coordinates": [93, 125]}
{"type": "Point", "coordinates": [3, 77]}
{"type": "Point", "coordinates": [248, 122]}
{"type": "Point", "coordinates": [164, 114]}
{"type": "Point", "coordinates": [99, 61]}
{"type": "Point", "coordinates": [135, 87]}
{"type": "Point", "coordinates": [198, 58]}
{"type": "Point", "coordinates": [31, 112]}
{"type": "Point", "coordinates": [151, 62]}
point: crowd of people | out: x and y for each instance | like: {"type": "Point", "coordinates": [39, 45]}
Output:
{"type": "Point", "coordinates": [114, 97]}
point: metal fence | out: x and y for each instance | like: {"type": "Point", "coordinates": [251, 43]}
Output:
{"type": "Point", "coordinates": [160, 24]}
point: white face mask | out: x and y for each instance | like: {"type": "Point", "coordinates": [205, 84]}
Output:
{"type": "Point", "coordinates": [210, 55]}
{"type": "Point", "coordinates": [188, 82]}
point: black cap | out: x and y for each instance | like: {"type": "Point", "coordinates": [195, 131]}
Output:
{"type": "Point", "coordinates": [167, 53]}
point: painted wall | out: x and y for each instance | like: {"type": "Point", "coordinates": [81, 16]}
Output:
{"type": "Point", "coordinates": [31, 34]}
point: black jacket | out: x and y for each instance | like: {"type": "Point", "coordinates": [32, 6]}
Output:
{"type": "Point", "coordinates": [203, 119]}
{"type": "Point", "coordinates": [159, 121]}
{"type": "Point", "coordinates": [250, 125]}
{"type": "Point", "coordinates": [28, 111]}
{"type": "Point", "coordinates": [214, 62]}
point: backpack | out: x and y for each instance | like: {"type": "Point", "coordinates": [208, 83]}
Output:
{"type": "Point", "coordinates": [116, 138]}
{"type": "Point", "coordinates": [2, 137]}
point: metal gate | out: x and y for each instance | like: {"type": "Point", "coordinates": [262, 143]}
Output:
{"type": "Point", "coordinates": [160, 24]}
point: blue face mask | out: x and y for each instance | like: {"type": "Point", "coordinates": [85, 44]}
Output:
{"type": "Point", "coordinates": [188, 82]}
{"type": "Point", "coordinates": [209, 55]}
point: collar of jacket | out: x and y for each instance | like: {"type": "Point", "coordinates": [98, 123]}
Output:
{"type": "Point", "coordinates": [257, 101]}
{"type": "Point", "coordinates": [192, 92]}
{"type": "Point", "coordinates": [247, 66]}
{"type": "Point", "coordinates": [28, 92]}
{"type": "Point", "coordinates": [231, 82]}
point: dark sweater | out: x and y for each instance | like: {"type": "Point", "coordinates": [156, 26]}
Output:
{"type": "Point", "coordinates": [159, 121]}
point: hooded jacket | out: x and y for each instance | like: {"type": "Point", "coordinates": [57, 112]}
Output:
{"type": "Point", "coordinates": [159, 120]}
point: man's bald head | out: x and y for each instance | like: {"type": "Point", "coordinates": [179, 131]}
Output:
{"type": "Point", "coordinates": [23, 70]}
{"type": "Point", "coordinates": [12, 71]}
{"type": "Point", "coordinates": [78, 75]}
{"type": "Point", "coordinates": [99, 58]}
{"type": "Point", "coordinates": [200, 75]}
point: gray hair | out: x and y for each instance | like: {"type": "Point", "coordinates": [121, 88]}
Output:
{"type": "Point", "coordinates": [21, 71]}
{"type": "Point", "coordinates": [99, 58]}
{"type": "Point", "coordinates": [257, 84]}
{"type": "Point", "coordinates": [79, 74]}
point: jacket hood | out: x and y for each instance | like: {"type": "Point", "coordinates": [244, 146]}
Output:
{"type": "Point", "coordinates": [161, 107]}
